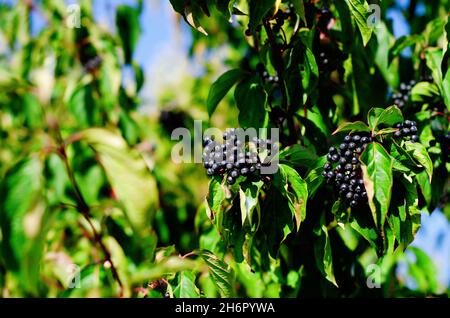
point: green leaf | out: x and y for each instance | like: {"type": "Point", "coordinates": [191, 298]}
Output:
{"type": "Point", "coordinates": [323, 255]}
{"type": "Point", "coordinates": [127, 173]}
{"type": "Point", "coordinates": [386, 131]}
{"type": "Point", "coordinates": [424, 91]}
{"type": "Point", "coordinates": [298, 155]}
{"type": "Point", "coordinates": [226, 8]}
{"type": "Point", "coordinates": [352, 127]}
{"type": "Point", "coordinates": [251, 99]}
{"type": "Point", "coordinates": [419, 153]}
{"type": "Point", "coordinates": [373, 115]}
{"type": "Point", "coordinates": [423, 179]}
{"type": "Point", "coordinates": [294, 188]}
{"type": "Point", "coordinates": [423, 271]}
{"type": "Point", "coordinates": [446, 89]}
{"type": "Point", "coordinates": [389, 116]}
{"type": "Point", "coordinates": [221, 274]}
{"type": "Point", "coordinates": [366, 228]}
{"type": "Point", "coordinates": [377, 172]}
{"type": "Point", "coordinates": [192, 11]}
{"type": "Point", "coordinates": [277, 221]}
{"type": "Point", "coordinates": [128, 26]}
{"type": "Point", "coordinates": [402, 43]}
{"type": "Point", "coordinates": [24, 221]}
{"type": "Point", "coordinates": [346, 24]}
{"type": "Point", "coordinates": [339, 210]}
{"type": "Point", "coordinates": [300, 9]}
{"type": "Point", "coordinates": [258, 10]}
{"type": "Point", "coordinates": [221, 87]}
{"type": "Point", "coordinates": [360, 13]}
{"type": "Point", "coordinates": [314, 178]}
{"type": "Point", "coordinates": [248, 198]}
{"type": "Point", "coordinates": [186, 286]}
{"type": "Point", "coordinates": [214, 198]}
{"type": "Point", "coordinates": [433, 57]}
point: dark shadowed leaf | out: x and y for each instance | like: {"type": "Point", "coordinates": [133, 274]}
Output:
{"type": "Point", "coordinates": [221, 87]}
{"type": "Point", "coordinates": [251, 99]}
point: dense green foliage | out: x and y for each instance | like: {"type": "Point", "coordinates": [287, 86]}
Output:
{"type": "Point", "coordinates": [91, 197]}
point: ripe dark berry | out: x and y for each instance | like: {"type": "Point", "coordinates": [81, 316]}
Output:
{"type": "Point", "coordinates": [407, 123]}
{"type": "Point", "coordinates": [343, 146]}
{"type": "Point", "coordinates": [342, 161]}
{"type": "Point", "coordinates": [332, 150]}
{"type": "Point", "coordinates": [347, 138]}
{"type": "Point", "coordinates": [335, 158]}
{"type": "Point", "coordinates": [354, 160]}
{"type": "Point", "coordinates": [349, 195]}
{"type": "Point", "coordinates": [353, 203]}
{"type": "Point", "coordinates": [351, 145]}
{"type": "Point", "coordinates": [356, 138]}
{"type": "Point", "coordinates": [327, 166]}
{"type": "Point", "coordinates": [358, 150]}
{"type": "Point", "coordinates": [234, 173]}
{"type": "Point", "coordinates": [398, 134]}
{"type": "Point", "coordinates": [414, 138]}
{"type": "Point", "coordinates": [413, 129]}
{"type": "Point", "coordinates": [405, 131]}
{"type": "Point", "coordinates": [365, 140]}
{"type": "Point", "coordinates": [348, 167]}
{"type": "Point", "coordinates": [244, 171]}
{"type": "Point", "coordinates": [348, 154]}
{"type": "Point", "coordinates": [231, 180]}
{"type": "Point", "coordinates": [330, 174]}
{"type": "Point", "coordinates": [343, 187]}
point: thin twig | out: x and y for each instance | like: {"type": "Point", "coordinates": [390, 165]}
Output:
{"type": "Point", "coordinates": [84, 209]}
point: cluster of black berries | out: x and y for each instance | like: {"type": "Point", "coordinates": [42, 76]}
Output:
{"type": "Point", "coordinates": [281, 16]}
{"type": "Point", "coordinates": [235, 158]}
{"type": "Point", "coordinates": [408, 130]}
{"type": "Point", "coordinates": [344, 169]}
{"type": "Point", "coordinates": [265, 76]}
{"type": "Point", "coordinates": [401, 98]}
